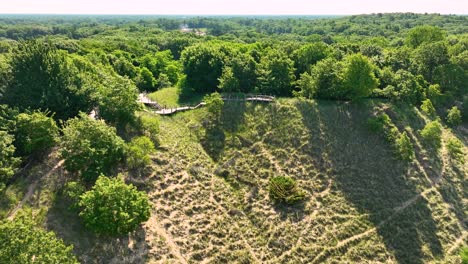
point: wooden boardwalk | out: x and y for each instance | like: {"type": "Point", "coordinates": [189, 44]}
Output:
{"type": "Point", "coordinates": [160, 110]}
{"type": "Point", "coordinates": [170, 111]}
{"type": "Point", "coordinates": [143, 98]}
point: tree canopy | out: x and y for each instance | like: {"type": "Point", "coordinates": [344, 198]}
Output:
{"type": "Point", "coordinates": [90, 147]}
{"type": "Point", "coordinates": [112, 207]}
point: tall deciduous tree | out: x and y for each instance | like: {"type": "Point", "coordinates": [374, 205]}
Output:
{"type": "Point", "coordinates": [8, 162]}
{"type": "Point", "coordinates": [276, 73]}
{"type": "Point", "coordinates": [358, 77]}
{"type": "Point", "coordinates": [90, 147]}
{"type": "Point", "coordinates": [42, 78]}
{"type": "Point", "coordinates": [424, 34]}
{"type": "Point", "coordinates": [203, 64]}
{"type": "Point", "coordinates": [118, 100]}
{"type": "Point", "coordinates": [306, 56]}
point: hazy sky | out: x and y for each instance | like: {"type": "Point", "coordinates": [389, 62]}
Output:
{"type": "Point", "coordinates": [232, 6]}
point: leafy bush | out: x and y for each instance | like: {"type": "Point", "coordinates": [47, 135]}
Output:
{"type": "Point", "coordinates": [214, 103]}
{"type": "Point", "coordinates": [432, 133]}
{"type": "Point", "coordinates": [90, 147]}
{"type": "Point", "coordinates": [464, 255]}
{"type": "Point", "coordinates": [454, 116]}
{"type": "Point", "coordinates": [138, 152]}
{"type": "Point", "coordinates": [35, 132]}
{"type": "Point", "coordinates": [8, 163]}
{"type": "Point", "coordinates": [72, 192]}
{"type": "Point", "coordinates": [285, 189]}
{"type": "Point", "coordinates": [404, 147]}
{"type": "Point", "coordinates": [400, 141]}
{"type": "Point", "coordinates": [428, 108]}
{"type": "Point", "coordinates": [383, 123]}
{"type": "Point", "coordinates": [113, 207]}
{"type": "Point", "coordinates": [456, 149]}
{"type": "Point", "coordinates": [149, 126]}
{"type": "Point", "coordinates": [23, 242]}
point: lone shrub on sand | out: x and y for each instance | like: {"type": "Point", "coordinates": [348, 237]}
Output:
{"type": "Point", "coordinates": [285, 189]}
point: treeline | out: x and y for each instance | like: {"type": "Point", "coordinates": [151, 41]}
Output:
{"type": "Point", "coordinates": [247, 28]}
{"type": "Point", "coordinates": [74, 82]}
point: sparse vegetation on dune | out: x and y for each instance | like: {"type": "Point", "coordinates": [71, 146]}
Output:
{"type": "Point", "coordinates": [334, 140]}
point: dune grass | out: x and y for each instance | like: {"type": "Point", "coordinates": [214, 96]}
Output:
{"type": "Point", "coordinates": [173, 97]}
{"type": "Point", "coordinates": [362, 204]}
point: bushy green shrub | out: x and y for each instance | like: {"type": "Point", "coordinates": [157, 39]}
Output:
{"type": "Point", "coordinates": [404, 147]}
{"type": "Point", "coordinates": [8, 162]}
{"type": "Point", "coordinates": [113, 207]}
{"type": "Point", "coordinates": [90, 147]}
{"type": "Point", "coordinates": [149, 126]}
{"type": "Point", "coordinates": [432, 133]}
{"type": "Point", "coordinates": [428, 108]}
{"type": "Point", "coordinates": [454, 116]}
{"type": "Point", "coordinates": [285, 189]}
{"type": "Point", "coordinates": [34, 132]}
{"type": "Point", "coordinates": [383, 123]}
{"type": "Point", "coordinates": [400, 141]}
{"type": "Point", "coordinates": [72, 192]}
{"type": "Point", "coordinates": [138, 152]}
{"type": "Point", "coordinates": [23, 242]}
{"type": "Point", "coordinates": [456, 149]}
{"type": "Point", "coordinates": [464, 255]}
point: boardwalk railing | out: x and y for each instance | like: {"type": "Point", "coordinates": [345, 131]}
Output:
{"type": "Point", "coordinates": [169, 110]}
{"type": "Point", "coordinates": [144, 99]}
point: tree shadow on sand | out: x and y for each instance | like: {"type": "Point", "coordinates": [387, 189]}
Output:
{"type": "Point", "coordinates": [92, 248]}
{"type": "Point", "coordinates": [365, 171]}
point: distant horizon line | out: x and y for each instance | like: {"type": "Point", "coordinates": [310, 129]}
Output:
{"type": "Point", "coordinates": [143, 14]}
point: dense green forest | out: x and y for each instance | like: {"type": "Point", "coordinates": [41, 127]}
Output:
{"type": "Point", "coordinates": [359, 157]}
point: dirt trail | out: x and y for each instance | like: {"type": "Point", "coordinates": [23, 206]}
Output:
{"type": "Point", "coordinates": [153, 227]}
{"type": "Point", "coordinates": [458, 243]}
{"type": "Point", "coordinates": [236, 226]}
{"type": "Point", "coordinates": [343, 243]}
{"type": "Point", "coordinates": [31, 189]}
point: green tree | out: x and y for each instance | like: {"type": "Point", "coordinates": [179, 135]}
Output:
{"type": "Point", "coordinates": [203, 64]}
{"type": "Point", "coordinates": [139, 151]}
{"type": "Point", "coordinates": [408, 87]}
{"type": "Point", "coordinates": [428, 108]}
{"type": "Point", "coordinates": [432, 133]}
{"type": "Point", "coordinates": [23, 242]}
{"type": "Point", "coordinates": [8, 162]}
{"type": "Point", "coordinates": [90, 147]}
{"type": "Point", "coordinates": [244, 70]}
{"type": "Point", "coordinates": [276, 73]}
{"type": "Point", "coordinates": [456, 149]}
{"type": "Point", "coordinates": [113, 207]}
{"type": "Point", "coordinates": [454, 116]}
{"type": "Point", "coordinates": [228, 82]}
{"type": "Point", "coordinates": [172, 71]}
{"type": "Point", "coordinates": [404, 147]}
{"type": "Point", "coordinates": [428, 57]}
{"type": "Point", "coordinates": [452, 78]}
{"type": "Point", "coordinates": [214, 103]}
{"type": "Point", "coordinates": [306, 56]}
{"type": "Point", "coordinates": [326, 76]}
{"type": "Point", "coordinates": [118, 100]}
{"type": "Point", "coordinates": [145, 80]}
{"type": "Point", "coordinates": [35, 132]}
{"type": "Point", "coordinates": [42, 78]}
{"type": "Point", "coordinates": [424, 34]}
{"type": "Point", "coordinates": [358, 77]}
{"type": "Point", "coordinates": [307, 86]}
